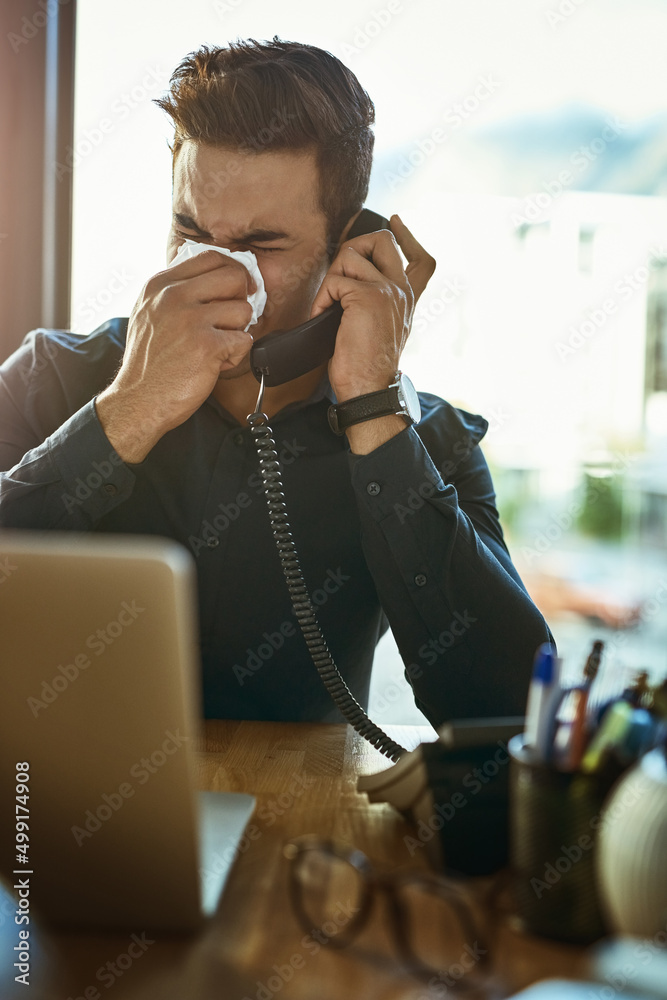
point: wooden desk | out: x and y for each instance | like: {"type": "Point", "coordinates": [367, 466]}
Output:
{"type": "Point", "coordinates": [304, 778]}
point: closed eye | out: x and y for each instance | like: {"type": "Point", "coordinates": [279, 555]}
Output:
{"type": "Point", "coordinates": [190, 236]}
{"type": "Point", "coordinates": [250, 246]}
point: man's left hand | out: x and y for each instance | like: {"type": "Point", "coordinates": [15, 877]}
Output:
{"type": "Point", "coordinates": [378, 296]}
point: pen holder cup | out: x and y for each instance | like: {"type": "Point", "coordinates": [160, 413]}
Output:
{"type": "Point", "coordinates": [554, 818]}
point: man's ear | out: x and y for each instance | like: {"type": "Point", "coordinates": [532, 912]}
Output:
{"type": "Point", "coordinates": [348, 225]}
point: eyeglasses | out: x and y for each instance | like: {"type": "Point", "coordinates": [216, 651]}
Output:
{"type": "Point", "coordinates": [332, 888]}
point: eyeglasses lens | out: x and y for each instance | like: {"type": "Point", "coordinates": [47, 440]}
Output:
{"type": "Point", "coordinates": [331, 892]}
{"type": "Point", "coordinates": [434, 933]}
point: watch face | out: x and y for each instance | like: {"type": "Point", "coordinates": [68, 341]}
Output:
{"type": "Point", "coordinates": [408, 396]}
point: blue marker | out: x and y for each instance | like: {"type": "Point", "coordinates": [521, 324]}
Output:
{"type": "Point", "coordinates": [543, 699]}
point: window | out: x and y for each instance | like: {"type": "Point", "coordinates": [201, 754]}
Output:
{"type": "Point", "coordinates": [537, 191]}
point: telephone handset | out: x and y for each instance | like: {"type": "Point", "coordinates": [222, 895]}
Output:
{"type": "Point", "coordinates": [276, 358]}
{"type": "Point", "coordinates": [283, 355]}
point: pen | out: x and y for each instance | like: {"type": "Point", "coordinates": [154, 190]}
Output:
{"type": "Point", "coordinates": [577, 734]}
{"type": "Point", "coordinates": [543, 697]}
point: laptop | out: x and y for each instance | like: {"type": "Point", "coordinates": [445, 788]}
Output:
{"type": "Point", "coordinates": [99, 722]}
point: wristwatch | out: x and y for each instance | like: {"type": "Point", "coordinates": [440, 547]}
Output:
{"type": "Point", "coordinates": [400, 398]}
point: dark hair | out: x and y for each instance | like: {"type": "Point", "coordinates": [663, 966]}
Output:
{"type": "Point", "coordinates": [260, 96]}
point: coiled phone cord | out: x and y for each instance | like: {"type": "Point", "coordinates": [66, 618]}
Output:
{"type": "Point", "coordinates": [269, 467]}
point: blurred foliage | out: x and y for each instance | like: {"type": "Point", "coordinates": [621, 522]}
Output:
{"type": "Point", "coordinates": [601, 514]}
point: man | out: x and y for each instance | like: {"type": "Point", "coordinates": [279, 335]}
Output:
{"type": "Point", "coordinates": [141, 427]}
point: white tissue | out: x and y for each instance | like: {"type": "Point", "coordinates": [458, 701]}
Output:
{"type": "Point", "coordinates": [258, 299]}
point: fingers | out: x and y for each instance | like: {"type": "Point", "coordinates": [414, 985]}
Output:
{"type": "Point", "coordinates": [225, 324]}
{"type": "Point", "coordinates": [374, 258]}
{"type": "Point", "coordinates": [379, 250]}
{"type": "Point", "coordinates": [233, 347]}
{"type": "Point", "coordinates": [358, 280]}
{"type": "Point", "coordinates": [371, 259]}
{"type": "Point", "coordinates": [348, 265]}
{"type": "Point", "coordinates": [420, 263]}
{"type": "Point", "coordinates": [227, 287]}
{"type": "Point", "coordinates": [233, 314]}
{"type": "Point", "coordinates": [206, 271]}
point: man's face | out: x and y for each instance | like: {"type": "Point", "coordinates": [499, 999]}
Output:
{"type": "Point", "coordinates": [263, 202]}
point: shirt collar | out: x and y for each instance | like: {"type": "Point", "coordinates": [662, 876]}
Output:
{"type": "Point", "coordinates": [321, 391]}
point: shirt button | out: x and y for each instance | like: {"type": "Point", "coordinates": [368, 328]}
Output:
{"type": "Point", "coordinates": [373, 489]}
{"type": "Point", "coordinates": [110, 489]}
{"type": "Point", "coordinates": [238, 438]}
{"type": "Point", "coordinates": [213, 542]}
{"type": "Point", "coordinates": [420, 580]}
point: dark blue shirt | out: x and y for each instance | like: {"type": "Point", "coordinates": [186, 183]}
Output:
{"type": "Point", "coordinates": [408, 534]}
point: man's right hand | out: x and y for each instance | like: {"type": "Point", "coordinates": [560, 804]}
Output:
{"type": "Point", "coordinates": [185, 328]}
